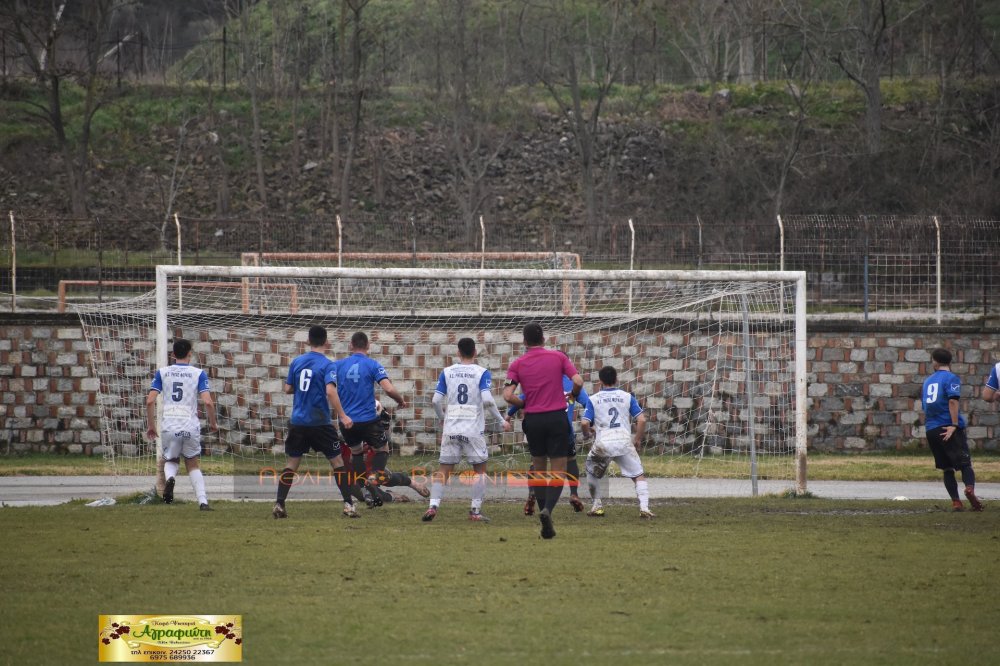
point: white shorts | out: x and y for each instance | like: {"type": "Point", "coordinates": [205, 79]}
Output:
{"type": "Point", "coordinates": [177, 444]}
{"type": "Point", "coordinates": [629, 463]}
{"type": "Point", "coordinates": [471, 447]}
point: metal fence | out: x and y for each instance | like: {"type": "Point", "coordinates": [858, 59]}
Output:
{"type": "Point", "coordinates": [863, 265]}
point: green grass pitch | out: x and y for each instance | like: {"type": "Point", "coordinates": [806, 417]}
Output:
{"type": "Point", "coordinates": [750, 581]}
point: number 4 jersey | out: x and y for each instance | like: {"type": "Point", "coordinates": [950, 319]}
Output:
{"type": "Point", "coordinates": [180, 384]}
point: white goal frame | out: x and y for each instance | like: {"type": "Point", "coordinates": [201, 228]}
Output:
{"type": "Point", "coordinates": [164, 273]}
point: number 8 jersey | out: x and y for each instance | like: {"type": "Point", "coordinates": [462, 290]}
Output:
{"type": "Point", "coordinates": [463, 384]}
{"type": "Point", "coordinates": [180, 384]}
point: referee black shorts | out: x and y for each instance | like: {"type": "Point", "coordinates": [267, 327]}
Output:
{"type": "Point", "coordinates": [953, 454]}
{"type": "Point", "coordinates": [548, 434]}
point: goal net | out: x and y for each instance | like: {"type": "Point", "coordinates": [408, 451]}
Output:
{"type": "Point", "coordinates": [715, 358]}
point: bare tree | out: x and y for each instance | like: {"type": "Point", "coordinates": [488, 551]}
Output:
{"type": "Point", "coordinates": [357, 80]}
{"type": "Point", "coordinates": [65, 46]}
{"type": "Point", "coordinates": [251, 62]}
{"type": "Point", "coordinates": [560, 73]}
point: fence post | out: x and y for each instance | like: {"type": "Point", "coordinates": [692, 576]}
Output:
{"type": "Point", "coordinates": [701, 247]}
{"type": "Point", "coordinates": [100, 259]}
{"type": "Point", "coordinates": [180, 295]}
{"type": "Point", "coordinates": [864, 219]}
{"type": "Point", "coordinates": [631, 260]}
{"type": "Point", "coordinates": [781, 244]}
{"type": "Point", "coordinates": [13, 265]}
{"type": "Point", "coordinates": [340, 258]}
{"type": "Point", "coordinates": [937, 278]}
{"type": "Point", "coordinates": [482, 259]}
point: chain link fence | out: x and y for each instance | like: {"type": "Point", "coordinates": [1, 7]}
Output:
{"type": "Point", "coordinates": [864, 265]}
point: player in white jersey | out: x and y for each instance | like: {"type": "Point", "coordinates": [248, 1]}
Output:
{"type": "Point", "coordinates": [611, 411]}
{"type": "Point", "coordinates": [991, 392]}
{"type": "Point", "coordinates": [461, 399]}
{"type": "Point", "coordinates": [182, 386]}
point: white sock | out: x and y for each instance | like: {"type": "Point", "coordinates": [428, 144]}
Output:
{"type": "Point", "coordinates": [170, 469]}
{"type": "Point", "coordinates": [642, 490]}
{"type": "Point", "coordinates": [595, 491]}
{"type": "Point", "coordinates": [437, 492]}
{"type": "Point", "coordinates": [478, 491]}
{"type": "Point", "coordinates": [198, 483]}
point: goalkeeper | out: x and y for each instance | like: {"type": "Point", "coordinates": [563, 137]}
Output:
{"type": "Point", "coordinates": [387, 478]}
{"type": "Point", "coordinates": [611, 411]}
{"type": "Point", "coordinates": [572, 467]}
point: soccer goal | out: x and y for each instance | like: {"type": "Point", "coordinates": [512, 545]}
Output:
{"type": "Point", "coordinates": [716, 358]}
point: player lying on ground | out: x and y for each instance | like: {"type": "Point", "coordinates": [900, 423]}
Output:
{"type": "Point", "coordinates": [611, 411]}
{"type": "Point", "coordinates": [374, 493]}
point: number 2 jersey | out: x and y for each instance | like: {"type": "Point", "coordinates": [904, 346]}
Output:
{"type": "Point", "coordinates": [180, 385]}
{"type": "Point", "coordinates": [939, 388]}
{"type": "Point", "coordinates": [611, 411]}
{"type": "Point", "coordinates": [463, 386]}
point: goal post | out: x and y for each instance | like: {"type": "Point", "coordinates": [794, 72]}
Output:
{"type": "Point", "coordinates": [717, 359]}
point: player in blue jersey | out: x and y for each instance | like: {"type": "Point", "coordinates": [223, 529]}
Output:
{"type": "Point", "coordinates": [572, 467]}
{"type": "Point", "coordinates": [609, 418]}
{"type": "Point", "coordinates": [357, 376]}
{"type": "Point", "coordinates": [182, 386]}
{"type": "Point", "coordinates": [991, 392]}
{"type": "Point", "coordinates": [945, 427]}
{"type": "Point", "coordinates": [312, 381]}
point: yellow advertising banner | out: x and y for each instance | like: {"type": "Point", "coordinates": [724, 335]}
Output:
{"type": "Point", "coordinates": [167, 638]}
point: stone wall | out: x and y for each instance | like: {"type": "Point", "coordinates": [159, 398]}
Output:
{"type": "Point", "coordinates": [864, 383]}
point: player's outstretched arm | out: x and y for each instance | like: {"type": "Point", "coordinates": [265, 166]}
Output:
{"type": "Point", "coordinates": [438, 402]}
{"type": "Point", "coordinates": [391, 391]}
{"type": "Point", "coordinates": [334, 399]}
{"type": "Point", "coordinates": [640, 431]}
{"type": "Point", "coordinates": [151, 414]}
{"type": "Point", "coordinates": [490, 405]}
{"type": "Point", "coordinates": [206, 399]}
{"type": "Point", "coordinates": [510, 396]}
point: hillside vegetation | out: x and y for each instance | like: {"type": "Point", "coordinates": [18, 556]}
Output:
{"type": "Point", "coordinates": [669, 152]}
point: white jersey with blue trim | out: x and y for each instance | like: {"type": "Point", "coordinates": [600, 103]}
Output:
{"type": "Point", "coordinates": [611, 411]}
{"type": "Point", "coordinates": [993, 381]}
{"type": "Point", "coordinates": [180, 385]}
{"type": "Point", "coordinates": [463, 385]}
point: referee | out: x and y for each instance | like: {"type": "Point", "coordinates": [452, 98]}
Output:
{"type": "Point", "coordinates": [539, 372]}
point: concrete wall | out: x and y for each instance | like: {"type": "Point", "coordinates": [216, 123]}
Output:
{"type": "Point", "coordinates": [864, 382]}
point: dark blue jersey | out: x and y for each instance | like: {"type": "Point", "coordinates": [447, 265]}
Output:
{"type": "Point", "coordinates": [939, 389]}
{"type": "Point", "coordinates": [356, 378]}
{"type": "Point", "coordinates": [309, 374]}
